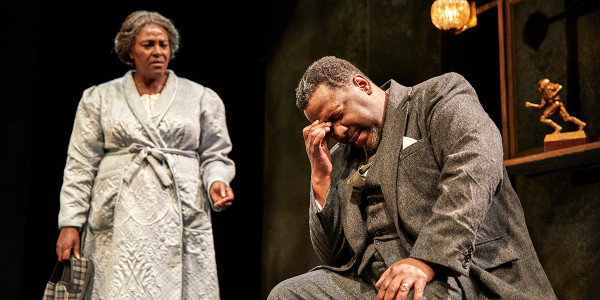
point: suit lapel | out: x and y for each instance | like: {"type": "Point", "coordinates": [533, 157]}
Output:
{"type": "Point", "coordinates": [354, 227]}
{"type": "Point", "coordinates": [385, 166]}
{"type": "Point", "coordinates": [351, 217]}
{"type": "Point", "coordinates": [384, 170]}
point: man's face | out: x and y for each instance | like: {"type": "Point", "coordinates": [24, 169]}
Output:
{"type": "Point", "coordinates": [356, 116]}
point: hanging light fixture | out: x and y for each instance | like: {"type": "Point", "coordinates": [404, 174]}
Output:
{"type": "Point", "coordinates": [453, 15]}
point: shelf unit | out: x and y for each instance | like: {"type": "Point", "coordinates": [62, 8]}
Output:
{"type": "Point", "coordinates": [557, 160]}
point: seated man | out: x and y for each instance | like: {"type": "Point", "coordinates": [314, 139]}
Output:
{"type": "Point", "coordinates": [414, 200]}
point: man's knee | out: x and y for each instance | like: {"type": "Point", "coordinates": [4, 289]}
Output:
{"type": "Point", "coordinates": [323, 284]}
{"type": "Point", "coordinates": [316, 284]}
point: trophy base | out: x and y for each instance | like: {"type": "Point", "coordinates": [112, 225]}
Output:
{"type": "Point", "coordinates": [563, 140]}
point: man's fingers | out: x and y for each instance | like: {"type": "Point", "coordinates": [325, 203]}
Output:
{"type": "Point", "coordinates": [319, 137]}
{"type": "Point", "coordinates": [383, 276]}
{"type": "Point", "coordinates": [381, 294]}
{"type": "Point", "coordinates": [393, 290]}
{"type": "Point", "coordinates": [309, 140]}
{"type": "Point", "coordinates": [315, 148]}
{"type": "Point", "coordinates": [315, 131]}
{"type": "Point", "coordinates": [308, 128]}
{"type": "Point", "coordinates": [385, 287]}
{"type": "Point", "coordinates": [403, 275]}
{"type": "Point", "coordinates": [404, 288]}
{"type": "Point", "coordinates": [419, 287]}
{"type": "Point", "coordinates": [314, 135]}
{"type": "Point", "coordinates": [314, 128]}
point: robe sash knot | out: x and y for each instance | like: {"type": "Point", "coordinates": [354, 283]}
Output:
{"type": "Point", "coordinates": [155, 157]}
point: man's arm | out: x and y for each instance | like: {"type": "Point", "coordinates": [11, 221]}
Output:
{"type": "Point", "coordinates": [468, 148]}
{"type": "Point", "coordinates": [315, 141]}
{"type": "Point", "coordinates": [324, 216]}
{"type": "Point", "coordinates": [326, 231]}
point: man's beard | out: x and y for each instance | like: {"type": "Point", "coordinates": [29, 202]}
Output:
{"type": "Point", "coordinates": [371, 147]}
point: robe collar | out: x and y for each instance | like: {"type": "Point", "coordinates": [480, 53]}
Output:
{"type": "Point", "coordinates": [162, 104]}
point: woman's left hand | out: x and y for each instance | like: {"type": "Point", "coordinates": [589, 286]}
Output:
{"type": "Point", "coordinates": [222, 195]}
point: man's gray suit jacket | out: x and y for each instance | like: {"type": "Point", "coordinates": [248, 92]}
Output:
{"type": "Point", "coordinates": [451, 194]}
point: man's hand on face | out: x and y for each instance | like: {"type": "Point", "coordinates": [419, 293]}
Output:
{"type": "Point", "coordinates": [315, 140]}
{"type": "Point", "coordinates": [403, 275]}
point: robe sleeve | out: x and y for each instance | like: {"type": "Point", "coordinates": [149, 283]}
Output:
{"type": "Point", "coordinates": [215, 143]}
{"type": "Point", "coordinates": [85, 151]}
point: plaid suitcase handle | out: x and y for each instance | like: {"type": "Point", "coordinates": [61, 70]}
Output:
{"type": "Point", "coordinates": [69, 279]}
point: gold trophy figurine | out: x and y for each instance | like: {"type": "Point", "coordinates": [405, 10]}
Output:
{"type": "Point", "coordinates": [551, 103]}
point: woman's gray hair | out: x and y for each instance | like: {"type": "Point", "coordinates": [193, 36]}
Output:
{"type": "Point", "coordinates": [125, 38]}
{"type": "Point", "coordinates": [330, 70]}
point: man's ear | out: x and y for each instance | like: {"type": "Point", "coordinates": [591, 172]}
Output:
{"type": "Point", "coordinates": [363, 84]}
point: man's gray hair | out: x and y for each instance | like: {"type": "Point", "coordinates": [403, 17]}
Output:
{"type": "Point", "coordinates": [330, 70]}
{"type": "Point", "coordinates": [125, 38]}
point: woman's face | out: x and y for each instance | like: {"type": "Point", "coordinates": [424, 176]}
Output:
{"type": "Point", "coordinates": [151, 51]}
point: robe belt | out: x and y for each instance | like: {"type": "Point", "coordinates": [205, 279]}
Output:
{"type": "Point", "coordinates": [156, 158]}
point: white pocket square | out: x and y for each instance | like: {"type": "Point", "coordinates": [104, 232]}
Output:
{"type": "Point", "coordinates": [406, 141]}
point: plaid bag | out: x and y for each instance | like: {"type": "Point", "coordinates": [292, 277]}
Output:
{"type": "Point", "coordinates": [69, 279]}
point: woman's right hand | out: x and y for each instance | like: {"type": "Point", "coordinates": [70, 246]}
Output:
{"type": "Point", "coordinates": [68, 240]}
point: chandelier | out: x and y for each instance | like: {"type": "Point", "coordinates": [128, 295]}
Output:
{"type": "Point", "coordinates": [453, 15]}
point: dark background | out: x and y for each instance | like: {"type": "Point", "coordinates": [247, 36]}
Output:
{"type": "Point", "coordinates": [252, 53]}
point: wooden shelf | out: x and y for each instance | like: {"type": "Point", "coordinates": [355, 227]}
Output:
{"type": "Point", "coordinates": [561, 159]}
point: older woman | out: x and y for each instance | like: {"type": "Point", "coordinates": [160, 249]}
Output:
{"type": "Point", "coordinates": [143, 149]}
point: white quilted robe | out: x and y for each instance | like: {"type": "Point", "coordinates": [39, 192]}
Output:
{"type": "Point", "coordinates": [137, 180]}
